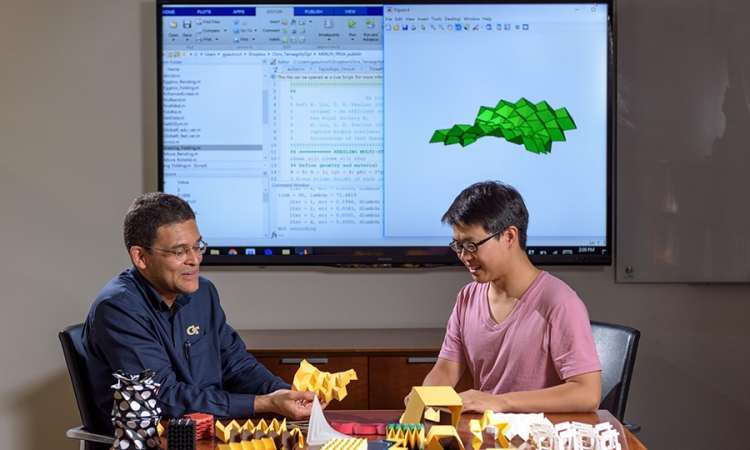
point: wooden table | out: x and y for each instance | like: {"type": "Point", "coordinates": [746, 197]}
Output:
{"type": "Point", "coordinates": [627, 440]}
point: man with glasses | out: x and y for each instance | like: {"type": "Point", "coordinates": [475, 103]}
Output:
{"type": "Point", "coordinates": [161, 315]}
{"type": "Point", "coordinates": [523, 334]}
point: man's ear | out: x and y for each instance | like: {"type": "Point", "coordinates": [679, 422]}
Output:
{"type": "Point", "coordinates": [139, 257]}
{"type": "Point", "coordinates": [511, 235]}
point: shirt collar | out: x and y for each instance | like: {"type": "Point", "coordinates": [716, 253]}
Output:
{"type": "Point", "coordinates": [153, 297]}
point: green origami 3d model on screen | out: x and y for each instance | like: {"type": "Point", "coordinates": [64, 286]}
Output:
{"type": "Point", "coordinates": [535, 126]}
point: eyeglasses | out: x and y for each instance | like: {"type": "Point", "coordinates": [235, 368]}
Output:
{"type": "Point", "coordinates": [470, 247]}
{"type": "Point", "coordinates": [182, 255]}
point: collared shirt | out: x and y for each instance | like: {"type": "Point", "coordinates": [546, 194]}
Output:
{"type": "Point", "coordinates": [200, 361]}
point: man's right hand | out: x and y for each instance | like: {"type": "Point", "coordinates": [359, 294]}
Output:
{"type": "Point", "coordinates": [293, 404]}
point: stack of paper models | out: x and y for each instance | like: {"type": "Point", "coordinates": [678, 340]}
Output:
{"type": "Point", "coordinates": [574, 436]}
{"type": "Point", "coordinates": [204, 425]}
{"type": "Point", "coordinates": [181, 434]}
{"type": "Point", "coordinates": [405, 435]}
{"type": "Point", "coordinates": [263, 436]}
{"type": "Point", "coordinates": [327, 386]}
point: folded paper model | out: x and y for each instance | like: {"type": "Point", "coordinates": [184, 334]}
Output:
{"type": "Point", "coordinates": [345, 444]}
{"type": "Point", "coordinates": [326, 385]}
{"type": "Point", "coordinates": [406, 436]}
{"type": "Point", "coordinates": [260, 436]}
{"type": "Point", "coordinates": [135, 412]}
{"type": "Point", "coordinates": [319, 431]}
{"type": "Point", "coordinates": [443, 437]}
{"type": "Point", "coordinates": [438, 396]}
{"type": "Point", "coordinates": [488, 420]}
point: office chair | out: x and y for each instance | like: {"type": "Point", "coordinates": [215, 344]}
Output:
{"type": "Point", "coordinates": [91, 434]}
{"type": "Point", "coordinates": [617, 346]}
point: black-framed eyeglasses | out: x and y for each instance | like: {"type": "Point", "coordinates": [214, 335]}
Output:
{"type": "Point", "coordinates": [182, 255]}
{"type": "Point", "coordinates": [470, 247]}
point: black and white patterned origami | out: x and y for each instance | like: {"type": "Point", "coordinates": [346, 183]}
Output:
{"type": "Point", "coordinates": [135, 413]}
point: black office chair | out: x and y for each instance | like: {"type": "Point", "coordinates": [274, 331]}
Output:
{"type": "Point", "coordinates": [617, 346]}
{"type": "Point", "coordinates": [92, 433]}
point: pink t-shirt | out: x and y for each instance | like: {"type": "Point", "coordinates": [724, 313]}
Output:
{"type": "Point", "coordinates": [546, 338]}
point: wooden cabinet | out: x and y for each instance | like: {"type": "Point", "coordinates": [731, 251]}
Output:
{"type": "Point", "coordinates": [388, 362]}
{"type": "Point", "coordinates": [392, 377]}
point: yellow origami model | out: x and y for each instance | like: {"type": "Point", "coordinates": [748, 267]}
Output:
{"type": "Point", "coordinates": [225, 432]}
{"type": "Point", "coordinates": [345, 444]}
{"type": "Point", "coordinates": [437, 396]}
{"type": "Point", "coordinates": [405, 436]}
{"type": "Point", "coordinates": [477, 426]}
{"type": "Point", "coordinates": [443, 437]}
{"type": "Point", "coordinates": [327, 386]}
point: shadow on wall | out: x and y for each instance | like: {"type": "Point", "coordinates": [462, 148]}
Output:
{"type": "Point", "coordinates": [680, 423]}
{"type": "Point", "coordinates": [46, 413]}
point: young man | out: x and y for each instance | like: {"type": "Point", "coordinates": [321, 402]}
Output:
{"type": "Point", "coordinates": [161, 315]}
{"type": "Point", "coordinates": [524, 334]}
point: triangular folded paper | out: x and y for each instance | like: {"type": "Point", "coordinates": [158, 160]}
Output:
{"type": "Point", "coordinates": [319, 431]}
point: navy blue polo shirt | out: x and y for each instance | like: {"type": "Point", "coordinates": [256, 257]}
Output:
{"type": "Point", "coordinates": [200, 361]}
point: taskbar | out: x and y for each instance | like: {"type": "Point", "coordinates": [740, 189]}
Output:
{"type": "Point", "coordinates": [294, 255]}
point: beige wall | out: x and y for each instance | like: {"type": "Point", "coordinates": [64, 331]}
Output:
{"type": "Point", "coordinates": [77, 144]}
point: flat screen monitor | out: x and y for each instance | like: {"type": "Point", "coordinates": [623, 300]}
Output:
{"type": "Point", "coordinates": [340, 133]}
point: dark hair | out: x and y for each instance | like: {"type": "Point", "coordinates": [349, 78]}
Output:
{"type": "Point", "coordinates": [151, 211]}
{"type": "Point", "coordinates": [491, 204]}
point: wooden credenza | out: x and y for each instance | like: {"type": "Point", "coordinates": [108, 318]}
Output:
{"type": "Point", "coordinates": [388, 362]}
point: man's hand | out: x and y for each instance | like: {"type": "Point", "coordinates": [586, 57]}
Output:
{"type": "Point", "coordinates": [479, 402]}
{"type": "Point", "coordinates": [293, 404]}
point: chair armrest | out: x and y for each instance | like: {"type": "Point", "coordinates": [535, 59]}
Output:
{"type": "Point", "coordinates": [632, 427]}
{"type": "Point", "coordinates": [83, 435]}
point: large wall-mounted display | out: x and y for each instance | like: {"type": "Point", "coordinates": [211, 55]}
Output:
{"type": "Point", "coordinates": [340, 133]}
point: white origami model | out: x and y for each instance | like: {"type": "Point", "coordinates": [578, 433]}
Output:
{"type": "Point", "coordinates": [319, 431]}
{"type": "Point", "coordinates": [574, 436]}
{"type": "Point", "coordinates": [519, 424]}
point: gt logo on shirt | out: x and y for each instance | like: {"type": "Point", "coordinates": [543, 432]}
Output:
{"type": "Point", "coordinates": [192, 330]}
